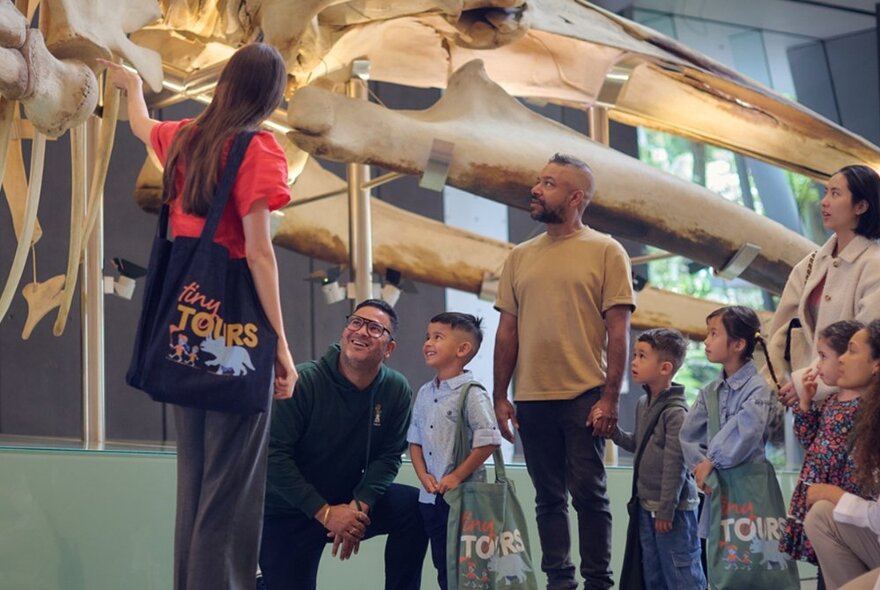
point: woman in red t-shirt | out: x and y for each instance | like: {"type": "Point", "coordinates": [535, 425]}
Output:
{"type": "Point", "coordinates": [221, 457]}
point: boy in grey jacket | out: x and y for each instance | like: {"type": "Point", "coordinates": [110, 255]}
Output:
{"type": "Point", "coordinates": [666, 489]}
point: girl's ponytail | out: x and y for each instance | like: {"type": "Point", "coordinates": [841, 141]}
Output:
{"type": "Point", "coordinates": [760, 340]}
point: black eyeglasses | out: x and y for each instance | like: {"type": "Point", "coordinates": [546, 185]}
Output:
{"type": "Point", "coordinates": [374, 329]}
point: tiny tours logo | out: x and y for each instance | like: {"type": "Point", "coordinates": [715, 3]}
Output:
{"type": "Point", "coordinates": [749, 541]}
{"type": "Point", "coordinates": [201, 329]}
{"type": "Point", "coordinates": [485, 550]}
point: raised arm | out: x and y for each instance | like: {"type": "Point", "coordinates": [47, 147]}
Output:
{"type": "Point", "coordinates": [133, 87]}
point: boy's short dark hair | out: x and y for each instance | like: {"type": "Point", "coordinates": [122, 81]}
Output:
{"type": "Point", "coordinates": [670, 345]}
{"type": "Point", "coordinates": [465, 322]}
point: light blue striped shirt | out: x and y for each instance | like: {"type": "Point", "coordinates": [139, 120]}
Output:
{"type": "Point", "coordinates": [435, 422]}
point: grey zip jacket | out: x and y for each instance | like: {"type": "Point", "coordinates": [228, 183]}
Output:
{"type": "Point", "coordinates": [665, 485]}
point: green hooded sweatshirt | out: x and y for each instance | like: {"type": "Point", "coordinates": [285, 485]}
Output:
{"type": "Point", "coordinates": [318, 438]}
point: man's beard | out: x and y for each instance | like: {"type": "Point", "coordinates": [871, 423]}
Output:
{"type": "Point", "coordinates": [545, 215]}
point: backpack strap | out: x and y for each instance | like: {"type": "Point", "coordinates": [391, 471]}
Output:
{"type": "Point", "coordinates": [649, 432]}
{"type": "Point", "coordinates": [461, 448]}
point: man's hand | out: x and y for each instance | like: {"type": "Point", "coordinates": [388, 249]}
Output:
{"type": "Point", "coordinates": [823, 491]}
{"type": "Point", "coordinates": [603, 417]}
{"type": "Point", "coordinates": [347, 545]}
{"type": "Point", "coordinates": [505, 413]}
{"type": "Point", "coordinates": [347, 522]}
{"type": "Point", "coordinates": [344, 547]}
{"type": "Point", "coordinates": [662, 526]}
{"type": "Point", "coordinates": [448, 482]}
{"type": "Point", "coordinates": [701, 472]}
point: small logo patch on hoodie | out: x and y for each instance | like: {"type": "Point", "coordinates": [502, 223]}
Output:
{"type": "Point", "coordinates": [377, 415]}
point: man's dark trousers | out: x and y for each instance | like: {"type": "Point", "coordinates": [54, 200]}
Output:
{"type": "Point", "coordinates": [292, 545]}
{"type": "Point", "coordinates": [563, 456]}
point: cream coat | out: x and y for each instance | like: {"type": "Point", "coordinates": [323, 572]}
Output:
{"type": "Point", "coordinates": [852, 291]}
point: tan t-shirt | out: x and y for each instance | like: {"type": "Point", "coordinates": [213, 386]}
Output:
{"type": "Point", "coordinates": [559, 289]}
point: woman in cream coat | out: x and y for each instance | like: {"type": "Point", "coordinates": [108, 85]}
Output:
{"type": "Point", "coordinates": [840, 281]}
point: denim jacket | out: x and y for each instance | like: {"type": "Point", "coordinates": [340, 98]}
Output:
{"type": "Point", "coordinates": [743, 404]}
{"type": "Point", "coordinates": [743, 408]}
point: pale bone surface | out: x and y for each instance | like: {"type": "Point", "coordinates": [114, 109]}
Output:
{"type": "Point", "coordinates": [500, 146]}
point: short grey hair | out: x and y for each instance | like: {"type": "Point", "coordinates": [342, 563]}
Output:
{"type": "Point", "coordinates": [567, 160]}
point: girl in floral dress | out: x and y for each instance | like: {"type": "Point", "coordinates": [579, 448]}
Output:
{"type": "Point", "coordinates": [824, 430]}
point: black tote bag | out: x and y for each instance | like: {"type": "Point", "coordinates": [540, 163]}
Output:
{"type": "Point", "coordinates": [203, 340]}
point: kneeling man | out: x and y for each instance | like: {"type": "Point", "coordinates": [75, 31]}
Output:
{"type": "Point", "coordinates": [334, 449]}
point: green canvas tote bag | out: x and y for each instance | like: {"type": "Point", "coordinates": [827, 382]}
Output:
{"type": "Point", "coordinates": [747, 519]}
{"type": "Point", "coordinates": [487, 543]}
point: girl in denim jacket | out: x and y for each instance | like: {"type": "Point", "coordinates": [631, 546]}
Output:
{"type": "Point", "coordinates": [743, 401]}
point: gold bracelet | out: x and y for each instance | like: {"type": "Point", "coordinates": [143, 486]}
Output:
{"type": "Point", "coordinates": [326, 516]}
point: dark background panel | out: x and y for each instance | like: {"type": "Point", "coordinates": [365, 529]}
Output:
{"type": "Point", "coordinates": [40, 377]}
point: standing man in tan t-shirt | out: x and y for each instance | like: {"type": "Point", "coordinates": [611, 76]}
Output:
{"type": "Point", "coordinates": [562, 296]}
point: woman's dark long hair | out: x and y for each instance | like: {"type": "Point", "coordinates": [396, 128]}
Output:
{"type": "Point", "coordinates": [250, 87]}
{"type": "Point", "coordinates": [867, 431]}
{"type": "Point", "coordinates": [742, 323]}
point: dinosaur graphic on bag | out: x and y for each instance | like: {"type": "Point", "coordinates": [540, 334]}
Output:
{"type": "Point", "coordinates": [229, 360]}
{"type": "Point", "coordinates": [509, 568]}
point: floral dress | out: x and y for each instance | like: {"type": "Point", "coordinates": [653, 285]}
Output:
{"type": "Point", "coordinates": [824, 432]}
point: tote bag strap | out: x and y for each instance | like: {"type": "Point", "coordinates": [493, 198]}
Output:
{"type": "Point", "coordinates": [649, 432]}
{"type": "Point", "coordinates": [461, 448]}
{"type": "Point", "coordinates": [224, 187]}
{"type": "Point", "coordinates": [221, 193]}
{"type": "Point", "coordinates": [713, 414]}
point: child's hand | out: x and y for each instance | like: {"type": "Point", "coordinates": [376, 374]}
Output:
{"type": "Point", "coordinates": [810, 388]}
{"type": "Point", "coordinates": [662, 526]}
{"type": "Point", "coordinates": [449, 482]}
{"type": "Point", "coordinates": [598, 414]}
{"type": "Point", "coordinates": [701, 472]}
{"type": "Point", "coordinates": [788, 394]}
{"type": "Point", "coordinates": [429, 483]}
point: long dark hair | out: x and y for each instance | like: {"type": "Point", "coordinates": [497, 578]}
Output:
{"type": "Point", "coordinates": [867, 431]}
{"type": "Point", "coordinates": [742, 323]}
{"type": "Point", "coordinates": [864, 184]}
{"type": "Point", "coordinates": [250, 87]}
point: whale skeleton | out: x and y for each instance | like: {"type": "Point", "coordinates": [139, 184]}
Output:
{"type": "Point", "coordinates": [566, 52]}
{"type": "Point", "coordinates": [500, 146]}
{"type": "Point", "coordinates": [50, 72]}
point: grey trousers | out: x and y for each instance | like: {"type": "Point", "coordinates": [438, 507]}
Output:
{"type": "Point", "coordinates": [221, 483]}
{"type": "Point", "coordinates": [845, 551]}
